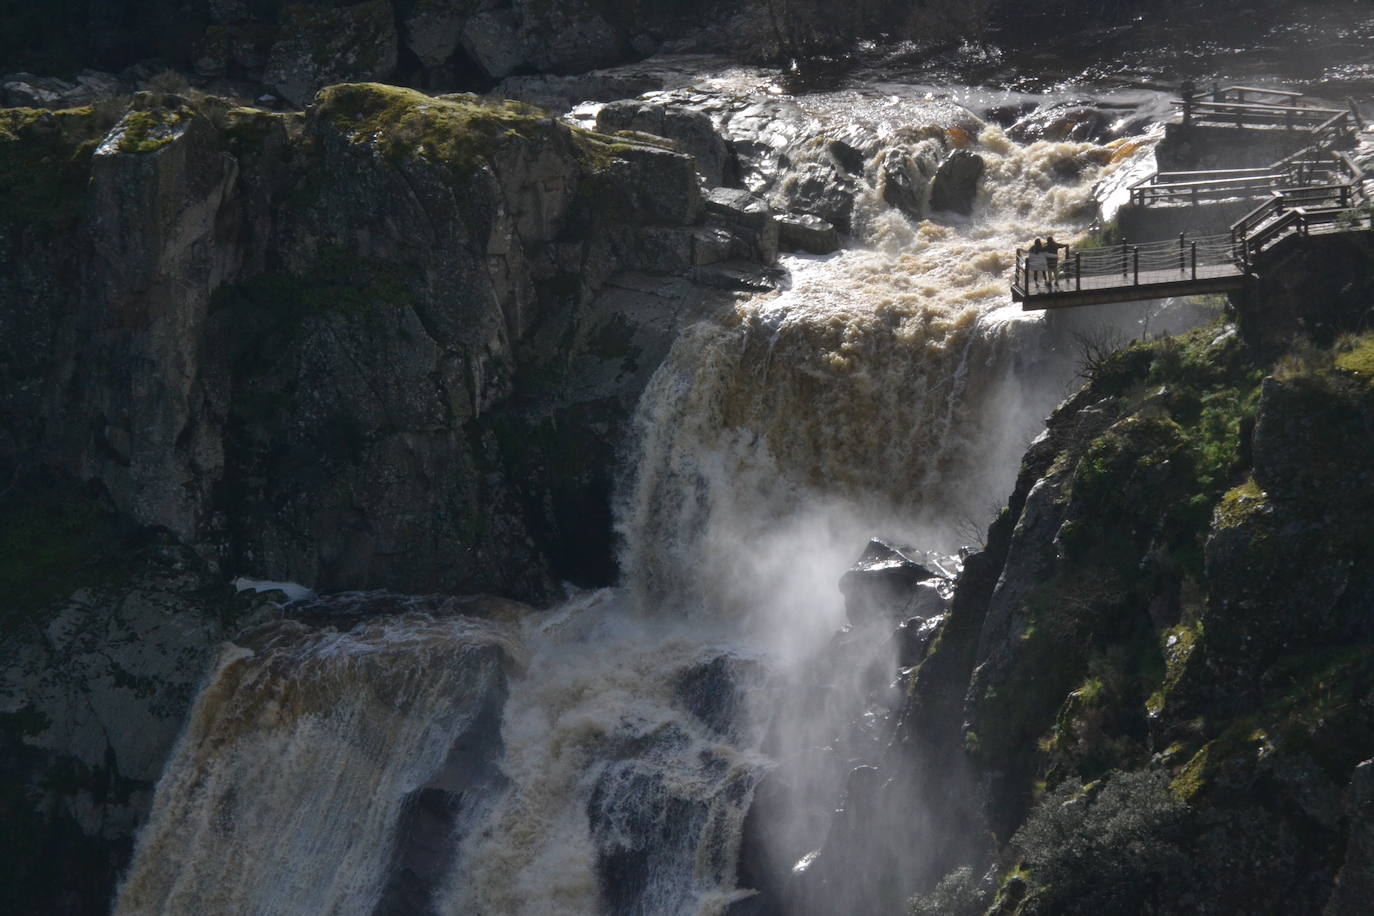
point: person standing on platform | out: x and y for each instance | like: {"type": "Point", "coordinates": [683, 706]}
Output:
{"type": "Point", "coordinates": [1052, 260]}
{"type": "Point", "coordinates": [1035, 263]}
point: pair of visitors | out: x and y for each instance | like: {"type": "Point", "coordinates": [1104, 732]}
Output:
{"type": "Point", "coordinates": [1043, 262]}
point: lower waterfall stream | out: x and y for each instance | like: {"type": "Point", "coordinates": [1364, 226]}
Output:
{"type": "Point", "coordinates": [604, 755]}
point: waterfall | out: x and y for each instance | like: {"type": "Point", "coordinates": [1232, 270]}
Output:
{"type": "Point", "coordinates": [605, 755]}
{"type": "Point", "coordinates": [286, 793]}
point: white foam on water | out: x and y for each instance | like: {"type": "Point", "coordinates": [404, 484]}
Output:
{"type": "Point", "coordinates": [888, 390]}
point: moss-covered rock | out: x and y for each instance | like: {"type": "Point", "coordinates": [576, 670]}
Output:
{"type": "Point", "coordinates": [1181, 595]}
{"type": "Point", "coordinates": [150, 125]}
{"type": "Point", "coordinates": [44, 166]}
{"type": "Point", "coordinates": [457, 131]}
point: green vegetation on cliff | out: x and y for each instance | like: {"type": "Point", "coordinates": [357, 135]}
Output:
{"type": "Point", "coordinates": [147, 129]}
{"type": "Point", "coordinates": [456, 130]}
{"type": "Point", "coordinates": [1187, 679]}
{"type": "Point", "coordinates": [44, 165]}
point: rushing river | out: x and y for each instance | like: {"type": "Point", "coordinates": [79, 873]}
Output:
{"type": "Point", "coordinates": [604, 755]}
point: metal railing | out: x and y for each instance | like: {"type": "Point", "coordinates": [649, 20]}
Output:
{"type": "Point", "coordinates": [1124, 264]}
{"type": "Point", "coordinates": [1236, 114]}
{"type": "Point", "coordinates": [1304, 222]}
{"type": "Point", "coordinates": [1299, 211]}
{"type": "Point", "coordinates": [1316, 163]}
{"type": "Point", "coordinates": [1314, 190]}
{"type": "Point", "coordinates": [1180, 187]}
{"type": "Point", "coordinates": [1253, 94]}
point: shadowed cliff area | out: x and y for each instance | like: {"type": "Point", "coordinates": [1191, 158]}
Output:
{"type": "Point", "coordinates": [1154, 692]}
{"type": "Point", "coordinates": [391, 342]}
{"type": "Point", "coordinates": [245, 323]}
{"type": "Point", "coordinates": [293, 49]}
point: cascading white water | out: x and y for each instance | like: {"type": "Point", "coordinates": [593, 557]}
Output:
{"type": "Point", "coordinates": [608, 759]}
{"type": "Point", "coordinates": [285, 793]}
{"type": "Point", "coordinates": [890, 388]}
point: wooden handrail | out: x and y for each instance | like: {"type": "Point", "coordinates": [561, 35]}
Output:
{"type": "Point", "coordinates": [1217, 182]}
{"type": "Point", "coordinates": [1255, 170]}
{"type": "Point", "coordinates": [1314, 162]}
{"type": "Point", "coordinates": [1351, 167]}
{"type": "Point", "coordinates": [1258, 107]}
{"type": "Point", "coordinates": [1242, 226]}
{"type": "Point", "coordinates": [1286, 93]}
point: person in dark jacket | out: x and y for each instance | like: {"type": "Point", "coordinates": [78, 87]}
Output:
{"type": "Point", "coordinates": [1052, 260]}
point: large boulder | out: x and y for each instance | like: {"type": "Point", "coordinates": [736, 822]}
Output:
{"type": "Point", "coordinates": [748, 217]}
{"type": "Point", "coordinates": [24, 90]}
{"type": "Point", "coordinates": [882, 582]}
{"type": "Point", "coordinates": [692, 131]}
{"type": "Point", "coordinates": [820, 188]}
{"type": "Point", "coordinates": [804, 232]}
{"type": "Point", "coordinates": [1075, 121]}
{"type": "Point", "coordinates": [904, 177]}
{"type": "Point", "coordinates": [431, 28]}
{"type": "Point", "coordinates": [570, 37]}
{"type": "Point", "coordinates": [320, 45]}
{"type": "Point", "coordinates": [492, 38]}
{"type": "Point", "coordinates": [955, 185]}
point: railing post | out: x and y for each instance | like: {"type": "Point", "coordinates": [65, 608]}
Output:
{"type": "Point", "coordinates": [1123, 259]}
{"type": "Point", "coordinates": [1195, 260]}
{"type": "Point", "coordinates": [1180, 252]}
{"type": "Point", "coordinates": [1136, 251]}
{"type": "Point", "coordinates": [1078, 270]}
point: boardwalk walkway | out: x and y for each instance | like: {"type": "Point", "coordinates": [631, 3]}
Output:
{"type": "Point", "coordinates": [1317, 190]}
{"type": "Point", "coordinates": [1328, 132]}
{"type": "Point", "coordinates": [1122, 273]}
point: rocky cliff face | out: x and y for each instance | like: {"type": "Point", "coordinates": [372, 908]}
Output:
{"type": "Point", "coordinates": [390, 342]}
{"type": "Point", "coordinates": [107, 630]}
{"type": "Point", "coordinates": [294, 340]}
{"type": "Point", "coordinates": [1153, 691]}
{"type": "Point", "coordinates": [295, 48]}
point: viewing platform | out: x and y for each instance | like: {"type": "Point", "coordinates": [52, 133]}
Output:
{"type": "Point", "coordinates": [1125, 273]}
{"type": "Point", "coordinates": [1317, 190]}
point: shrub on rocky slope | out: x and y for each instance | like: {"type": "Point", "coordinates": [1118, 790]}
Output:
{"type": "Point", "coordinates": [1171, 683]}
